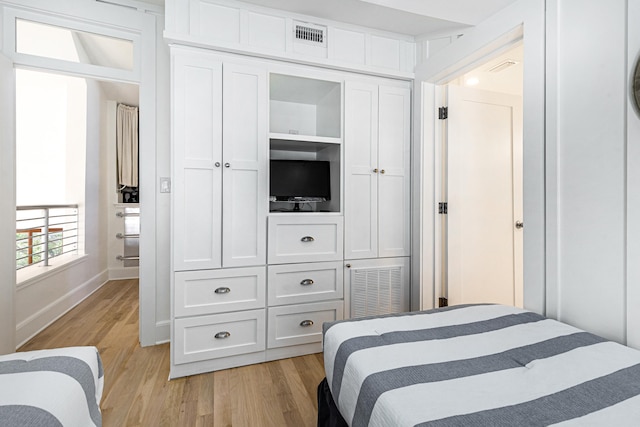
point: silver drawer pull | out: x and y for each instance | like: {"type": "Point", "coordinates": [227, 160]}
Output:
{"type": "Point", "coordinates": [307, 239]}
{"type": "Point", "coordinates": [306, 323]}
{"type": "Point", "coordinates": [307, 282]}
{"type": "Point", "coordinates": [222, 335]}
{"type": "Point", "coordinates": [222, 291]}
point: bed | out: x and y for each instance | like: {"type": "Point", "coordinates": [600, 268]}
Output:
{"type": "Point", "coordinates": [475, 365]}
{"type": "Point", "coordinates": [57, 387]}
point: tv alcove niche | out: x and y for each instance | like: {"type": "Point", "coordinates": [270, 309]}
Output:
{"type": "Point", "coordinates": [305, 144]}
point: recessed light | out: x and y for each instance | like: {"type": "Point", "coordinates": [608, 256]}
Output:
{"type": "Point", "coordinates": [472, 81]}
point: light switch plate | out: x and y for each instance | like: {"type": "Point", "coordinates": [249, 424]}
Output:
{"type": "Point", "coordinates": [165, 185]}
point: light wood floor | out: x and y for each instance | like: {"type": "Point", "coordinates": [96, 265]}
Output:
{"type": "Point", "coordinates": [137, 391]}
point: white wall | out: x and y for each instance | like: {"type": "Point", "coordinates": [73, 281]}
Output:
{"type": "Point", "coordinates": [587, 133]}
{"type": "Point", "coordinates": [633, 178]}
{"type": "Point", "coordinates": [163, 200]}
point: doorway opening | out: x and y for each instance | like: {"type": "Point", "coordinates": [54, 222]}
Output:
{"type": "Point", "coordinates": [479, 177]}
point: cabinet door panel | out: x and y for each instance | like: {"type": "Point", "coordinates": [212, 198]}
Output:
{"type": "Point", "coordinates": [361, 158]}
{"type": "Point", "coordinates": [245, 166]}
{"type": "Point", "coordinates": [197, 147]}
{"type": "Point", "coordinates": [394, 138]}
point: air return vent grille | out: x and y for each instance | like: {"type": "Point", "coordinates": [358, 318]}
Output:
{"type": "Point", "coordinates": [311, 34]}
{"type": "Point", "coordinates": [376, 291]}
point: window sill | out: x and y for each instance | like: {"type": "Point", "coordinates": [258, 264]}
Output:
{"type": "Point", "coordinates": [31, 275]}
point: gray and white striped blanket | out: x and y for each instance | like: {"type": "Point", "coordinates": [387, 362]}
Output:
{"type": "Point", "coordinates": [478, 365]}
{"type": "Point", "coordinates": [58, 387]}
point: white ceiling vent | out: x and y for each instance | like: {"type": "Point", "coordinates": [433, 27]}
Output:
{"type": "Point", "coordinates": [502, 65]}
{"type": "Point", "coordinates": [310, 33]}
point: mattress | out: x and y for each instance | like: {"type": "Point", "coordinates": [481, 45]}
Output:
{"type": "Point", "coordinates": [478, 365]}
{"type": "Point", "coordinates": [58, 387]}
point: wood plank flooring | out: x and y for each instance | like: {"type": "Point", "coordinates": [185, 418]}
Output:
{"type": "Point", "coordinates": [137, 391]}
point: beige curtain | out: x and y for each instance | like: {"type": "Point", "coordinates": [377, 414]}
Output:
{"type": "Point", "coordinates": [127, 145]}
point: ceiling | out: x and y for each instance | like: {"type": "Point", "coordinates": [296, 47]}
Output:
{"type": "Point", "coordinates": [411, 17]}
{"type": "Point", "coordinates": [506, 80]}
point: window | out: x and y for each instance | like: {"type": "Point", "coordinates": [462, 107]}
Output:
{"type": "Point", "coordinates": [51, 130]}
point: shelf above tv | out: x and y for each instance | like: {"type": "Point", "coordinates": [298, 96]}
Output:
{"type": "Point", "coordinates": [304, 138]}
{"type": "Point", "coordinates": [305, 106]}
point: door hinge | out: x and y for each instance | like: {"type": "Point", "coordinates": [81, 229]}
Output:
{"type": "Point", "coordinates": [443, 113]}
{"type": "Point", "coordinates": [442, 208]}
{"type": "Point", "coordinates": [443, 302]}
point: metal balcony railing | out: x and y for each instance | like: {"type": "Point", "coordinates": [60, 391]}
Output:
{"type": "Point", "coordinates": [44, 232]}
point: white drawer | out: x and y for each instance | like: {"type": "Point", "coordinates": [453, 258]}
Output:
{"type": "Point", "coordinates": [304, 238]}
{"type": "Point", "coordinates": [299, 283]}
{"type": "Point", "coordinates": [218, 291]}
{"type": "Point", "coordinates": [300, 324]}
{"type": "Point", "coordinates": [219, 335]}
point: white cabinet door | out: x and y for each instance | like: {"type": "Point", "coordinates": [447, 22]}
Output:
{"type": "Point", "coordinates": [394, 185]}
{"type": "Point", "coordinates": [377, 170]}
{"type": "Point", "coordinates": [376, 286]}
{"type": "Point", "coordinates": [197, 156]}
{"type": "Point", "coordinates": [361, 161]}
{"type": "Point", "coordinates": [245, 203]}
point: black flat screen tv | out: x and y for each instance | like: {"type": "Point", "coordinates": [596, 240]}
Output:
{"type": "Point", "coordinates": [300, 180]}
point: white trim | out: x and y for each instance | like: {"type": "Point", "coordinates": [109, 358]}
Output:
{"type": "Point", "coordinates": [90, 70]}
{"type": "Point", "coordinates": [163, 331]}
{"type": "Point", "coordinates": [141, 6]}
{"type": "Point", "coordinates": [124, 273]}
{"type": "Point", "coordinates": [40, 320]}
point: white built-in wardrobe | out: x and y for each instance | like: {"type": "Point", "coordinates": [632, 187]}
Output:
{"type": "Point", "coordinates": [254, 278]}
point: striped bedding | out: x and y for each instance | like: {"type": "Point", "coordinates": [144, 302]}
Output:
{"type": "Point", "coordinates": [58, 387]}
{"type": "Point", "coordinates": [478, 365]}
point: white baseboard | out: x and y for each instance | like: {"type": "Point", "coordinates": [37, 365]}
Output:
{"type": "Point", "coordinates": [37, 322]}
{"type": "Point", "coordinates": [163, 331]}
{"type": "Point", "coordinates": [124, 273]}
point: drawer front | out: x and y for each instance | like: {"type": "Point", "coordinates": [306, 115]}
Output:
{"type": "Point", "coordinates": [301, 323]}
{"type": "Point", "coordinates": [300, 283]}
{"type": "Point", "coordinates": [305, 239]}
{"type": "Point", "coordinates": [220, 335]}
{"type": "Point", "coordinates": [219, 291]}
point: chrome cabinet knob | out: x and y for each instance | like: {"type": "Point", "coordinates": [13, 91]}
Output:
{"type": "Point", "coordinates": [217, 164]}
{"type": "Point", "coordinates": [307, 239]}
{"type": "Point", "coordinates": [519, 225]}
{"type": "Point", "coordinates": [307, 282]}
{"type": "Point", "coordinates": [223, 290]}
{"type": "Point", "coordinates": [222, 335]}
{"type": "Point", "coordinates": [227, 165]}
{"type": "Point", "coordinates": [306, 323]}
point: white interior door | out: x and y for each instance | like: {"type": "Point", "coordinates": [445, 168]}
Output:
{"type": "Point", "coordinates": [484, 195]}
{"type": "Point", "coordinates": [7, 207]}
